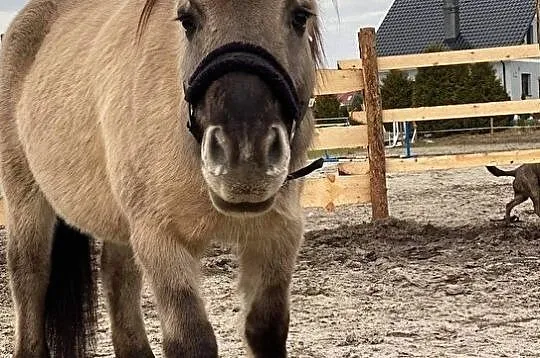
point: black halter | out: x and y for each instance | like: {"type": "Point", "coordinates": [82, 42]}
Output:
{"type": "Point", "coordinates": [253, 59]}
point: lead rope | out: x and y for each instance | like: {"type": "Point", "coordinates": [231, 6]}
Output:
{"type": "Point", "coordinates": [317, 164]}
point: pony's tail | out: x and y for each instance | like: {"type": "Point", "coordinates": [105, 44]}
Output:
{"type": "Point", "coordinates": [70, 308]}
{"type": "Point", "coordinates": [501, 173]}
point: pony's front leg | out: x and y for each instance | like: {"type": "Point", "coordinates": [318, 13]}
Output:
{"type": "Point", "coordinates": [173, 271]}
{"type": "Point", "coordinates": [266, 266]}
{"type": "Point", "coordinates": [122, 283]}
{"type": "Point", "coordinates": [30, 223]}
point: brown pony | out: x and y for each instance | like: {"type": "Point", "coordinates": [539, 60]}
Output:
{"type": "Point", "coordinates": [94, 101]}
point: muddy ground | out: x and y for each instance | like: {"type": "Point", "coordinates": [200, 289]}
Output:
{"type": "Point", "coordinates": [439, 279]}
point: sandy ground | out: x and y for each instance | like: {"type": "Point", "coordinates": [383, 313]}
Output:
{"type": "Point", "coordinates": [439, 279]}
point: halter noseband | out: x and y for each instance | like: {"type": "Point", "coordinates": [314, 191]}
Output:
{"type": "Point", "coordinates": [252, 59]}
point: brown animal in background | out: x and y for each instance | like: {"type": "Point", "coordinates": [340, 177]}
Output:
{"type": "Point", "coordinates": [526, 185]}
{"type": "Point", "coordinates": [94, 145]}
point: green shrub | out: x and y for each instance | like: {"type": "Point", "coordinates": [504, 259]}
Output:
{"type": "Point", "coordinates": [326, 106]}
{"type": "Point", "coordinates": [446, 85]}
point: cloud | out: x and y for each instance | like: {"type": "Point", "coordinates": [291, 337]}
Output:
{"type": "Point", "coordinates": [340, 35]}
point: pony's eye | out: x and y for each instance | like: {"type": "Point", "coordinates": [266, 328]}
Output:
{"type": "Point", "coordinates": [300, 18]}
{"type": "Point", "coordinates": [188, 21]}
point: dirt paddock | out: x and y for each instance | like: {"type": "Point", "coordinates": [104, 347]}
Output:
{"type": "Point", "coordinates": [439, 279]}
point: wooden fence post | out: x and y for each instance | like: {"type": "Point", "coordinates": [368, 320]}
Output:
{"type": "Point", "coordinates": [373, 107]}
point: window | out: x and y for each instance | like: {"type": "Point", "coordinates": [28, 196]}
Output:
{"type": "Point", "coordinates": [526, 84]}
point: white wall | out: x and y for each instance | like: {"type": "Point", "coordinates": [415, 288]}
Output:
{"type": "Point", "coordinates": [514, 69]}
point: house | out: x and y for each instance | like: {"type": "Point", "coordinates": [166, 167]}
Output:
{"type": "Point", "coordinates": [410, 26]}
{"type": "Point", "coordinates": [345, 99]}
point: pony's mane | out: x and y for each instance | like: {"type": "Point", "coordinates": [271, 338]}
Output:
{"type": "Point", "coordinates": [316, 43]}
{"type": "Point", "coordinates": [314, 32]}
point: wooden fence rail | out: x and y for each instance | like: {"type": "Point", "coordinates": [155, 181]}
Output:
{"type": "Point", "coordinates": [447, 161]}
{"type": "Point", "coordinates": [365, 181]}
{"type": "Point", "coordinates": [338, 81]}
{"type": "Point", "coordinates": [448, 58]}
{"type": "Point", "coordinates": [455, 111]}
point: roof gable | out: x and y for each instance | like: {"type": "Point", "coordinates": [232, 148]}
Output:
{"type": "Point", "coordinates": [412, 25]}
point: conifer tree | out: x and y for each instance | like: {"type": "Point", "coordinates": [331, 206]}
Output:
{"type": "Point", "coordinates": [457, 84]}
{"type": "Point", "coordinates": [326, 106]}
{"type": "Point", "coordinates": [396, 90]}
{"type": "Point", "coordinates": [357, 102]}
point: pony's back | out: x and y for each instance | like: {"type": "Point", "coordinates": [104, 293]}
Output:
{"type": "Point", "coordinates": [20, 44]}
{"type": "Point", "coordinates": [59, 78]}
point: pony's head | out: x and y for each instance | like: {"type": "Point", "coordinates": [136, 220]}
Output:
{"type": "Point", "coordinates": [249, 71]}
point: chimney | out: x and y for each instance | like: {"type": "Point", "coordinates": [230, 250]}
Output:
{"type": "Point", "coordinates": [451, 19]}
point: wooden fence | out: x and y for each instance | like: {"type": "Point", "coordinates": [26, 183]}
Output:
{"type": "Point", "coordinates": [365, 181]}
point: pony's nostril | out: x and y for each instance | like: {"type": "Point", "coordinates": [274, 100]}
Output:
{"type": "Point", "coordinates": [214, 148]}
{"type": "Point", "coordinates": [276, 146]}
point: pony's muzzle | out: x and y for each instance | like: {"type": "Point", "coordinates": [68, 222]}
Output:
{"type": "Point", "coordinates": [244, 173]}
{"type": "Point", "coordinates": [221, 153]}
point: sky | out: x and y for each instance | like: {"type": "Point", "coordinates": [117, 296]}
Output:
{"type": "Point", "coordinates": [339, 35]}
